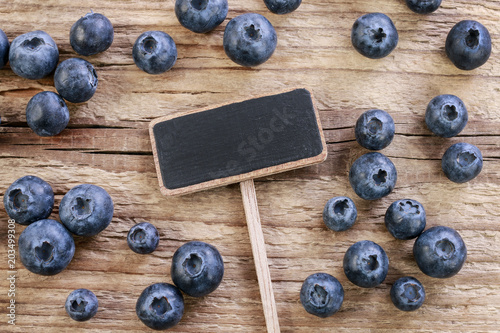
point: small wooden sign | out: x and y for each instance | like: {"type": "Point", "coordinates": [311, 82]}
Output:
{"type": "Point", "coordinates": [235, 143]}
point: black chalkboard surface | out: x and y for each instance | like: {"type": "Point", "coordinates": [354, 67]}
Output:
{"type": "Point", "coordinates": [238, 141]}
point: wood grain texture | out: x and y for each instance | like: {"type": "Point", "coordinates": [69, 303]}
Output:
{"type": "Point", "coordinates": [260, 255]}
{"type": "Point", "coordinates": [107, 144]}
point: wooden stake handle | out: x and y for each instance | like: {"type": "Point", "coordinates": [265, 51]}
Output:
{"type": "Point", "coordinates": [259, 255]}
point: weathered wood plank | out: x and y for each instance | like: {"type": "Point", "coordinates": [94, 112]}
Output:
{"type": "Point", "coordinates": [107, 144]}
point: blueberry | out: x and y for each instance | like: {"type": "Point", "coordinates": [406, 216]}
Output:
{"type": "Point", "coordinates": [46, 247]}
{"type": "Point", "coordinates": [160, 306]}
{"type": "Point", "coordinates": [28, 199]}
{"type": "Point", "coordinates": [47, 114]}
{"type": "Point", "coordinates": [4, 48]}
{"type": "Point", "coordinates": [249, 39]}
{"type": "Point", "coordinates": [374, 129]}
{"type": "Point", "coordinates": [373, 176]}
{"type": "Point", "coordinates": [143, 238]}
{"type": "Point", "coordinates": [81, 304]}
{"type": "Point", "coordinates": [86, 210]}
{"type": "Point", "coordinates": [282, 6]}
{"type": "Point", "coordinates": [197, 268]}
{"type": "Point", "coordinates": [91, 34]}
{"type": "Point", "coordinates": [440, 252]}
{"type": "Point", "coordinates": [446, 115]}
{"type": "Point", "coordinates": [407, 294]}
{"type": "Point", "coordinates": [468, 45]}
{"type": "Point", "coordinates": [405, 219]}
{"type": "Point", "coordinates": [374, 35]}
{"type": "Point", "coordinates": [201, 15]}
{"type": "Point", "coordinates": [423, 6]}
{"type": "Point", "coordinates": [76, 80]}
{"type": "Point", "coordinates": [33, 55]}
{"type": "Point", "coordinates": [340, 213]}
{"type": "Point", "coordinates": [321, 295]}
{"type": "Point", "coordinates": [154, 52]}
{"type": "Point", "coordinates": [366, 264]}
{"type": "Point", "coordinates": [462, 162]}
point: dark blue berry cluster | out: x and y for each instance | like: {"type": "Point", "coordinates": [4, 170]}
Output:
{"type": "Point", "coordinates": [249, 39]}
{"type": "Point", "coordinates": [34, 55]}
{"type": "Point", "coordinates": [46, 246]}
{"type": "Point", "coordinates": [468, 44]}
{"type": "Point", "coordinates": [372, 176]}
{"type": "Point", "coordinates": [197, 270]}
{"type": "Point", "coordinates": [440, 251]}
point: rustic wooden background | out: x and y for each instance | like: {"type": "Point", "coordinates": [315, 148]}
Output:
{"type": "Point", "coordinates": [107, 144]}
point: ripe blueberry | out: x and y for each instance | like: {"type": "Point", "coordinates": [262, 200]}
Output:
{"type": "Point", "coordinates": [4, 48]}
{"type": "Point", "coordinates": [47, 114]}
{"type": "Point", "coordinates": [86, 210]}
{"type": "Point", "coordinates": [374, 35]}
{"type": "Point", "coordinates": [407, 294]}
{"type": "Point", "coordinates": [197, 268]}
{"type": "Point", "coordinates": [154, 52]}
{"type": "Point", "coordinates": [81, 304]}
{"type": "Point", "coordinates": [28, 199]}
{"type": "Point", "coordinates": [75, 80]}
{"type": "Point", "coordinates": [423, 6]}
{"type": "Point", "coordinates": [440, 252]}
{"type": "Point", "coordinates": [160, 306]}
{"type": "Point", "coordinates": [249, 39]}
{"type": "Point", "coordinates": [374, 129]}
{"type": "Point", "coordinates": [373, 176]}
{"type": "Point", "coordinates": [366, 264]}
{"type": "Point", "coordinates": [446, 115]}
{"type": "Point", "coordinates": [405, 219]}
{"type": "Point", "coordinates": [143, 238]}
{"type": "Point", "coordinates": [46, 247]}
{"type": "Point", "coordinates": [201, 15]}
{"type": "Point", "coordinates": [340, 213]}
{"type": "Point", "coordinates": [468, 45]}
{"type": "Point", "coordinates": [321, 295]}
{"type": "Point", "coordinates": [282, 6]}
{"type": "Point", "coordinates": [91, 34]}
{"type": "Point", "coordinates": [33, 55]}
{"type": "Point", "coordinates": [462, 162]}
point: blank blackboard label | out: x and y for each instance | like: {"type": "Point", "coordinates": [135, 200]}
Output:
{"type": "Point", "coordinates": [237, 141]}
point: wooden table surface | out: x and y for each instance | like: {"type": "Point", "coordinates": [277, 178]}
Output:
{"type": "Point", "coordinates": [107, 144]}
